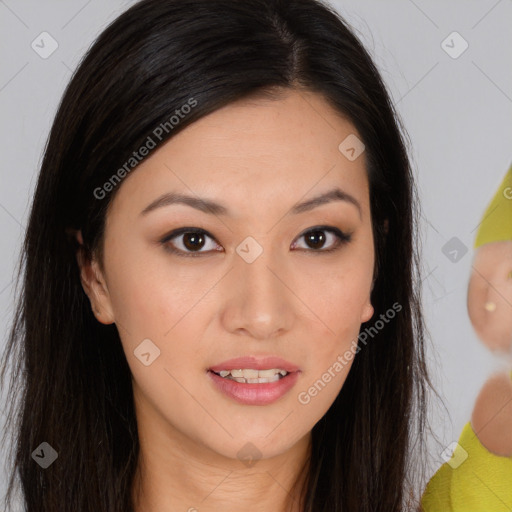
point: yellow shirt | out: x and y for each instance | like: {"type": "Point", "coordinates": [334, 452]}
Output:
{"type": "Point", "coordinates": [474, 479]}
{"type": "Point", "coordinates": [497, 219]}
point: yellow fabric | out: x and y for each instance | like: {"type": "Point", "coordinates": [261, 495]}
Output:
{"type": "Point", "coordinates": [497, 219]}
{"type": "Point", "coordinates": [473, 480]}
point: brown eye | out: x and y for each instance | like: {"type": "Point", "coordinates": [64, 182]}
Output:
{"type": "Point", "coordinates": [193, 240]}
{"type": "Point", "coordinates": [316, 238]}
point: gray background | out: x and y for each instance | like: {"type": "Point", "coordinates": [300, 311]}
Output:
{"type": "Point", "coordinates": [456, 111]}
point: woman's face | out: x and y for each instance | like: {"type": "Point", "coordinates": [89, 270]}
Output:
{"type": "Point", "coordinates": [255, 281]}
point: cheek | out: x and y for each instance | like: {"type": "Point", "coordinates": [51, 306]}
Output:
{"type": "Point", "coordinates": [150, 294]}
{"type": "Point", "coordinates": [335, 299]}
{"type": "Point", "coordinates": [160, 302]}
{"type": "Point", "coordinates": [338, 294]}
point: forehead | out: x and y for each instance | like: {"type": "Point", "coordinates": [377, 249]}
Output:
{"type": "Point", "coordinates": [253, 153]}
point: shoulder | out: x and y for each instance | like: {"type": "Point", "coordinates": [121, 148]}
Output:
{"type": "Point", "coordinates": [473, 480]}
{"type": "Point", "coordinates": [492, 415]}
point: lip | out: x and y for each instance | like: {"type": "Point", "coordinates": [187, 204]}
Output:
{"type": "Point", "coordinates": [254, 394]}
{"type": "Point", "coordinates": [255, 363]}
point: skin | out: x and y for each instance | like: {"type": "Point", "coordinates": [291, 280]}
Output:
{"type": "Point", "coordinates": [258, 158]}
{"type": "Point", "coordinates": [492, 415]}
{"type": "Point", "coordinates": [490, 281]}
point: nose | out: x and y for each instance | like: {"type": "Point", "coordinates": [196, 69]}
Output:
{"type": "Point", "coordinates": [260, 298]}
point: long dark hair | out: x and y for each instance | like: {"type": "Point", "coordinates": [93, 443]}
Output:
{"type": "Point", "coordinates": [69, 371]}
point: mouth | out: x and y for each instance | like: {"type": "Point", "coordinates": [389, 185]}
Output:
{"type": "Point", "coordinates": [253, 381]}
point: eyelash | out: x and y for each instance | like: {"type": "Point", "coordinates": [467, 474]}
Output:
{"type": "Point", "coordinates": [342, 239]}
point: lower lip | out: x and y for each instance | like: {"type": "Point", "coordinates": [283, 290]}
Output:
{"type": "Point", "coordinates": [255, 394]}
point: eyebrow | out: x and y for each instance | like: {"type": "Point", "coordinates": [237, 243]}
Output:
{"type": "Point", "coordinates": [214, 208]}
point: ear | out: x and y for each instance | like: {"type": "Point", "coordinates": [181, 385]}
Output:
{"type": "Point", "coordinates": [367, 312]}
{"type": "Point", "coordinates": [94, 284]}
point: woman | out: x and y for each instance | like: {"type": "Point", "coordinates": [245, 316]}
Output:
{"type": "Point", "coordinates": [262, 130]}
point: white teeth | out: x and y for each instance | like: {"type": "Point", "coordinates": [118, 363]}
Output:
{"type": "Point", "coordinates": [267, 374]}
{"type": "Point", "coordinates": [252, 376]}
{"type": "Point", "coordinates": [256, 381]}
{"type": "Point", "coordinates": [246, 374]}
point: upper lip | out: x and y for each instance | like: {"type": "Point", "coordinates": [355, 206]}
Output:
{"type": "Point", "coordinates": [255, 363]}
